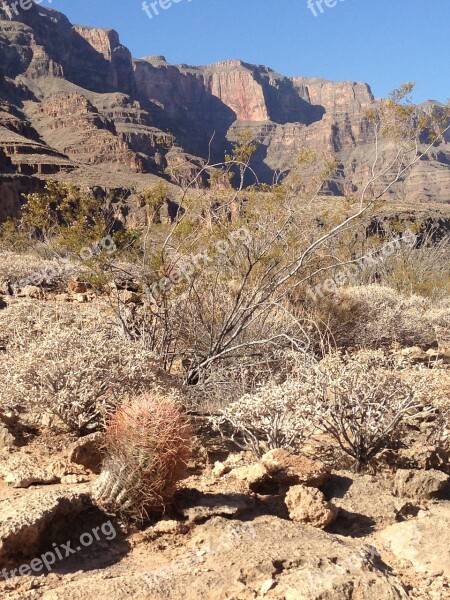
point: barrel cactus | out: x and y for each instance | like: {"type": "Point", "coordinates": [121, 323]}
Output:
{"type": "Point", "coordinates": [146, 446]}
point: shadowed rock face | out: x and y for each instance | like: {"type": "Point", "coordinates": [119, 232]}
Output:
{"type": "Point", "coordinates": [72, 96]}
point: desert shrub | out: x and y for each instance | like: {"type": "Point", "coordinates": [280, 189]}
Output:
{"type": "Point", "coordinates": [276, 416]}
{"type": "Point", "coordinates": [154, 199]}
{"type": "Point", "coordinates": [439, 317]}
{"type": "Point", "coordinates": [414, 269]}
{"type": "Point", "coordinates": [65, 213]}
{"type": "Point", "coordinates": [365, 400]}
{"type": "Point", "coordinates": [73, 365]}
{"type": "Point", "coordinates": [437, 381]}
{"type": "Point", "coordinates": [27, 321]}
{"type": "Point", "coordinates": [18, 270]}
{"type": "Point", "coordinates": [374, 316]}
{"type": "Point", "coordinates": [147, 443]}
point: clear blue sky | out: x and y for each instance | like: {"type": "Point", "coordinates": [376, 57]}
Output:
{"type": "Point", "coordinates": [383, 42]}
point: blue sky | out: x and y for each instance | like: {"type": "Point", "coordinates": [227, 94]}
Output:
{"type": "Point", "coordinates": [383, 42]}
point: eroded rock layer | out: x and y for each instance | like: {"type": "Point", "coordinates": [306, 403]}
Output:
{"type": "Point", "coordinates": [73, 98]}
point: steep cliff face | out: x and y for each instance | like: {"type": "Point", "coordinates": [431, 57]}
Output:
{"type": "Point", "coordinates": [106, 42]}
{"type": "Point", "coordinates": [237, 87]}
{"type": "Point", "coordinates": [339, 98]}
{"type": "Point", "coordinates": [41, 42]}
{"type": "Point", "coordinates": [72, 99]}
{"type": "Point", "coordinates": [255, 93]}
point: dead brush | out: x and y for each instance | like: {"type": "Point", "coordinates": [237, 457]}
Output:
{"type": "Point", "coordinates": [147, 444]}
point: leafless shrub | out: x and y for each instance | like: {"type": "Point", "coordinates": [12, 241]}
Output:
{"type": "Point", "coordinates": [364, 401]}
{"type": "Point", "coordinates": [275, 416]}
{"type": "Point", "coordinates": [414, 269]}
{"type": "Point", "coordinates": [18, 270]}
{"type": "Point", "coordinates": [437, 381]}
{"type": "Point", "coordinates": [26, 321]}
{"type": "Point", "coordinates": [76, 368]}
{"type": "Point", "coordinates": [374, 316]}
{"type": "Point", "coordinates": [439, 316]}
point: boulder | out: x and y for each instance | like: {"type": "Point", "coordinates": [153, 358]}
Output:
{"type": "Point", "coordinates": [415, 354]}
{"type": "Point", "coordinates": [251, 477]}
{"type": "Point", "coordinates": [196, 506]}
{"type": "Point", "coordinates": [81, 298]}
{"type": "Point", "coordinates": [7, 440]}
{"type": "Point", "coordinates": [74, 286]}
{"type": "Point", "coordinates": [220, 469]}
{"type": "Point", "coordinates": [364, 501]}
{"type": "Point", "coordinates": [6, 288]}
{"type": "Point", "coordinates": [419, 485]}
{"type": "Point", "coordinates": [292, 469]}
{"type": "Point", "coordinates": [266, 557]}
{"type": "Point", "coordinates": [423, 457]}
{"type": "Point", "coordinates": [423, 542]}
{"type": "Point", "coordinates": [442, 354]}
{"type": "Point", "coordinates": [62, 297]}
{"type": "Point", "coordinates": [24, 521]}
{"type": "Point", "coordinates": [169, 526]}
{"type": "Point", "coordinates": [21, 470]}
{"type": "Point", "coordinates": [87, 452]}
{"type": "Point", "coordinates": [31, 291]}
{"type": "Point", "coordinates": [129, 297]}
{"type": "Point", "coordinates": [307, 506]}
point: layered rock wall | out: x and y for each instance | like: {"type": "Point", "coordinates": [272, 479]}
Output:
{"type": "Point", "coordinates": [75, 94]}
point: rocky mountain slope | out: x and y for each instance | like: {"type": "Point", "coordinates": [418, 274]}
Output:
{"type": "Point", "coordinates": [74, 104]}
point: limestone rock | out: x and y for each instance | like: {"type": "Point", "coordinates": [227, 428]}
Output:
{"type": "Point", "coordinates": [31, 291]}
{"type": "Point", "coordinates": [169, 526]}
{"type": "Point", "coordinates": [220, 469]}
{"type": "Point", "coordinates": [363, 501]}
{"type": "Point", "coordinates": [21, 470]}
{"type": "Point", "coordinates": [81, 298]}
{"type": "Point", "coordinates": [96, 114]}
{"type": "Point", "coordinates": [251, 477]}
{"type": "Point", "coordinates": [86, 451]}
{"type": "Point", "coordinates": [23, 522]}
{"type": "Point", "coordinates": [129, 297]}
{"type": "Point", "coordinates": [7, 440]}
{"type": "Point", "coordinates": [415, 354]}
{"type": "Point", "coordinates": [424, 458]}
{"type": "Point", "coordinates": [229, 559]}
{"type": "Point", "coordinates": [196, 506]}
{"type": "Point", "coordinates": [442, 354]}
{"type": "Point", "coordinates": [419, 485]}
{"type": "Point", "coordinates": [288, 468]}
{"type": "Point", "coordinates": [62, 298]}
{"type": "Point", "coordinates": [423, 542]}
{"type": "Point", "coordinates": [74, 286]}
{"type": "Point", "coordinates": [307, 506]}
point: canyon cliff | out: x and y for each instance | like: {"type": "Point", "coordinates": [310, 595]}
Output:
{"type": "Point", "coordinates": [75, 105]}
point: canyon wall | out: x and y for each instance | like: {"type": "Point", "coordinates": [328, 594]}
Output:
{"type": "Point", "coordinates": [74, 103]}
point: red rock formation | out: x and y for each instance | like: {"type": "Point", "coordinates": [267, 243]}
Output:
{"type": "Point", "coordinates": [82, 100]}
{"type": "Point", "coordinates": [237, 87]}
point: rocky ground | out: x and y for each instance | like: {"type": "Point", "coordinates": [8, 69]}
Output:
{"type": "Point", "coordinates": [286, 527]}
